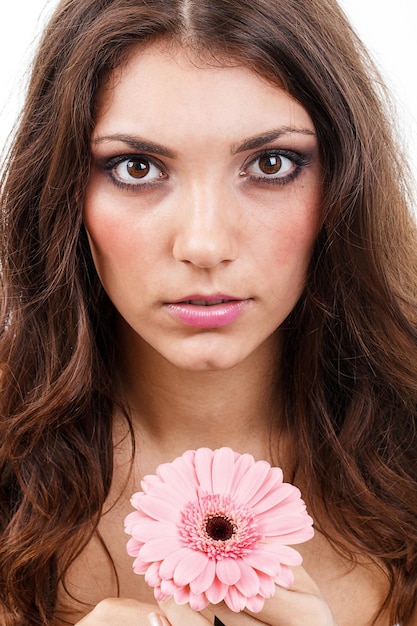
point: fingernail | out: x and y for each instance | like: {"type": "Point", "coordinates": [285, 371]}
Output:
{"type": "Point", "coordinates": [155, 620]}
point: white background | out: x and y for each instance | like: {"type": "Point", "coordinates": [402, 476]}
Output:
{"type": "Point", "coordinates": [388, 29]}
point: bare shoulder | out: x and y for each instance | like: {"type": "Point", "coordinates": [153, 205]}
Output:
{"type": "Point", "coordinates": [355, 592]}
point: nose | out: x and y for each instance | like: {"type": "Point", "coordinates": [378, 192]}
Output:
{"type": "Point", "coordinates": [206, 233]}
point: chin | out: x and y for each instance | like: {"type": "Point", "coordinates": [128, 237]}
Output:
{"type": "Point", "coordinates": [218, 363]}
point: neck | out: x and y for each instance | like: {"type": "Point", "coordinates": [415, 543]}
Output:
{"type": "Point", "coordinates": [177, 409]}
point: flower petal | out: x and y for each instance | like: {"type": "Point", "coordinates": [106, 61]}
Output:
{"type": "Point", "coordinates": [190, 567]}
{"type": "Point", "coordinates": [285, 554]}
{"type": "Point", "coordinates": [182, 595]}
{"type": "Point", "coordinates": [158, 549]}
{"type": "Point", "coordinates": [222, 470]}
{"type": "Point", "coordinates": [136, 499]}
{"type": "Point", "coordinates": [285, 578]}
{"type": "Point", "coordinates": [133, 546]}
{"type": "Point", "coordinates": [266, 585]}
{"type": "Point", "coordinates": [149, 482]}
{"type": "Point", "coordinates": [297, 537]}
{"type": "Point", "coordinates": [180, 475]}
{"type": "Point", "coordinates": [252, 481]}
{"type": "Point", "coordinates": [139, 566]}
{"type": "Point", "coordinates": [152, 575]}
{"type": "Point", "coordinates": [132, 518]}
{"type": "Point", "coordinates": [228, 571]}
{"type": "Point", "coordinates": [281, 524]}
{"type": "Point", "coordinates": [173, 494]}
{"type": "Point", "coordinates": [203, 463]}
{"type": "Point", "coordinates": [198, 602]}
{"type": "Point", "coordinates": [292, 505]}
{"type": "Point", "coordinates": [277, 495]}
{"type": "Point", "coordinates": [159, 509]}
{"type": "Point", "coordinates": [159, 596]}
{"type": "Point", "coordinates": [169, 564]}
{"type": "Point", "coordinates": [248, 583]}
{"type": "Point", "coordinates": [235, 600]}
{"type": "Point", "coordinates": [242, 465]}
{"type": "Point", "coordinates": [146, 529]}
{"type": "Point", "coordinates": [216, 592]}
{"type": "Point", "coordinates": [272, 485]}
{"type": "Point", "coordinates": [263, 561]}
{"type": "Point", "coordinates": [205, 578]}
{"type": "Point", "coordinates": [255, 604]}
{"type": "Point", "coordinates": [169, 588]}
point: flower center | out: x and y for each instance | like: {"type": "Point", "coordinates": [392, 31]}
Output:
{"type": "Point", "coordinates": [219, 528]}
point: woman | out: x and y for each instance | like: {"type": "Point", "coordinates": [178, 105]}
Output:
{"type": "Point", "coordinates": [206, 242]}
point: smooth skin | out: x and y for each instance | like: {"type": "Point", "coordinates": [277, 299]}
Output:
{"type": "Point", "coordinates": [205, 183]}
{"type": "Point", "coordinates": [205, 219]}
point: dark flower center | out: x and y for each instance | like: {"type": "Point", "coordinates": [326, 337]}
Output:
{"type": "Point", "coordinates": [219, 528]}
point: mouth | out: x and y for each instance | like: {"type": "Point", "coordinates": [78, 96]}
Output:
{"type": "Point", "coordinates": [207, 300]}
{"type": "Point", "coordinates": [202, 311]}
{"type": "Point", "coordinates": [197, 302]}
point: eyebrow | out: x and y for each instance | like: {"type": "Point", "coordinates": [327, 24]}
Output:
{"type": "Point", "coordinates": [261, 140]}
{"type": "Point", "coordinates": [142, 145]}
{"type": "Point", "coordinates": [137, 144]}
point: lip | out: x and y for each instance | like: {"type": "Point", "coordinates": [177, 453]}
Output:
{"type": "Point", "coordinates": [207, 311]}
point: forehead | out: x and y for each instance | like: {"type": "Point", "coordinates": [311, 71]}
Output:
{"type": "Point", "coordinates": [186, 57]}
{"type": "Point", "coordinates": [161, 86]}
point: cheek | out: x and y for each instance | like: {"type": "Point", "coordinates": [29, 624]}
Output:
{"type": "Point", "coordinates": [111, 241]}
{"type": "Point", "coordinates": [293, 239]}
{"type": "Point", "coordinates": [295, 248]}
{"type": "Point", "coordinates": [112, 229]}
{"type": "Point", "coordinates": [289, 256]}
{"type": "Point", "coordinates": [288, 226]}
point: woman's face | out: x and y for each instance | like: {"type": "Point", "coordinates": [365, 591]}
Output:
{"type": "Point", "coordinates": [202, 207]}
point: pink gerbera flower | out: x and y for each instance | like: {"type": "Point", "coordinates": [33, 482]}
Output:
{"type": "Point", "coordinates": [214, 526]}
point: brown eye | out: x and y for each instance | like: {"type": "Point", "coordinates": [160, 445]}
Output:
{"type": "Point", "coordinates": [270, 164]}
{"type": "Point", "coordinates": [138, 169]}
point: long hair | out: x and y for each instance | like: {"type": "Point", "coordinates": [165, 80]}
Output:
{"type": "Point", "coordinates": [349, 371]}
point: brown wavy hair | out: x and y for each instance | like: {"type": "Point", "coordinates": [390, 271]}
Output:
{"type": "Point", "coordinates": [349, 366]}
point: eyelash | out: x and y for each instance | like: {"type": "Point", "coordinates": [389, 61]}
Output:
{"type": "Point", "coordinates": [111, 164]}
{"type": "Point", "coordinates": [298, 159]}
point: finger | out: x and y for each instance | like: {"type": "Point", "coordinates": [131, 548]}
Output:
{"type": "Point", "coordinates": [301, 604]}
{"type": "Point", "coordinates": [155, 619]}
{"type": "Point", "coordinates": [294, 608]}
{"type": "Point", "coordinates": [180, 614]}
{"type": "Point", "coordinates": [116, 611]}
{"type": "Point", "coordinates": [227, 618]}
{"type": "Point", "coordinates": [303, 581]}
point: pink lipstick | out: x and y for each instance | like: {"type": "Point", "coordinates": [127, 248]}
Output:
{"type": "Point", "coordinates": [207, 311]}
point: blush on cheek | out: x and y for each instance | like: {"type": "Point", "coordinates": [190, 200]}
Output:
{"type": "Point", "coordinates": [110, 238]}
{"type": "Point", "coordinates": [296, 248]}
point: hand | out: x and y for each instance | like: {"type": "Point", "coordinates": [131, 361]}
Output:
{"type": "Point", "coordinates": [302, 604]}
{"type": "Point", "coordinates": [116, 611]}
